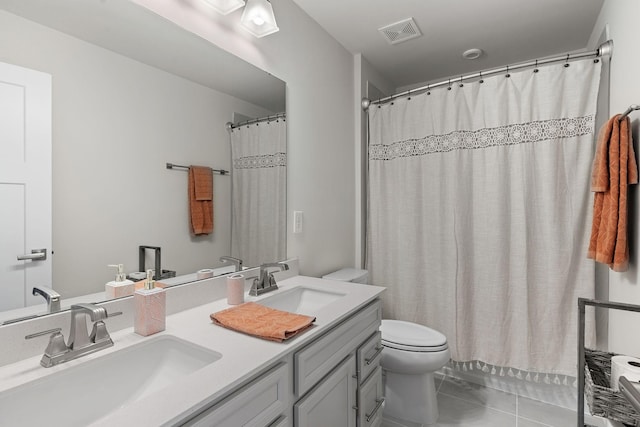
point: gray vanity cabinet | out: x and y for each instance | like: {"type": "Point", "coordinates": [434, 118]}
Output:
{"type": "Point", "coordinates": [336, 378]}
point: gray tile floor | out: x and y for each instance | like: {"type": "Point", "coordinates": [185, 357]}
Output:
{"type": "Point", "coordinates": [463, 403]}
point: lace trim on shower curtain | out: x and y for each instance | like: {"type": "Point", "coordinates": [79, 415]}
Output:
{"type": "Point", "coordinates": [538, 377]}
{"type": "Point", "coordinates": [519, 133]}
{"type": "Point", "coordinates": [260, 162]}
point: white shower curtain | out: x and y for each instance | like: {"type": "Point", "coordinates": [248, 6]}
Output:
{"type": "Point", "coordinates": [479, 210]}
{"type": "Point", "coordinates": [258, 225]}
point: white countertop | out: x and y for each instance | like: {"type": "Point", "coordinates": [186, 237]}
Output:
{"type": "Point", "coordinates": [243, 356]}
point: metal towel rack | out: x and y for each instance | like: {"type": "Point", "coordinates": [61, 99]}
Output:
{"type": "Point", "coordinates": [218, 171]}
{"type": "Point", "coordinates": [582, 304]}
{"type": "Point", "coordinates": [632, 107]}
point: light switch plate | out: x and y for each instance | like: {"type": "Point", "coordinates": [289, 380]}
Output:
{"type": "Point", "coordinates": [297, 222]}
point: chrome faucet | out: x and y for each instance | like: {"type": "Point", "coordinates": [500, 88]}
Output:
{"type": "Point", "coordinates": [80, 341]}
{"type": "Point", "coordinates": [236, 262]}
{"type": "Point", "coordinates": [266, 282]}
{"type": "Point", "coordinates": [51, 296]}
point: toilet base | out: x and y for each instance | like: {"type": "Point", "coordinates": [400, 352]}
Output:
{"type": "Point", "coordinates": [411, 397]}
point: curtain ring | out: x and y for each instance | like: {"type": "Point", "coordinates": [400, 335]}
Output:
{"type": "Point", "coordinates": [409, 95]}
{"type": "Point", "coordinates": [535, 70]}
{"type": "Point", "coordinates": [461, 85]}
{"type": "Point", "coordinates": [481, 79]}
{"type": "Point", "coordinates": [449, 88]}
{"type": "Point", "coordinates": [508, 75]}
{"type": "Point", "coordinates": [428, 89]}
{"type": "Point", "coordinates": [566, 64]}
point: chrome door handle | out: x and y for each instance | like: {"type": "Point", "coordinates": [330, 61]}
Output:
{"type": "Point", "coordinates": [35, 255]}
{"type": "Point", "coordinates": [370, 360]}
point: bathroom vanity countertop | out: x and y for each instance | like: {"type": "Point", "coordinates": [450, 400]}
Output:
{"type": "Point", "coordinates": [242, 358]}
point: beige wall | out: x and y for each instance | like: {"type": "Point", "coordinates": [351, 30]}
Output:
{"type": "Point", "coordinates": [116, 122]}
{"type": "Point", "coordinates": [320, 119]}
{"type": "Point", "coordinates": [623, 16]}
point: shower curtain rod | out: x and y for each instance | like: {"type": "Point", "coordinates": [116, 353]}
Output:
{"type": "Point", "coordinates": [605, 49]}
{"type": "Point", "coordinates": [230, 125]}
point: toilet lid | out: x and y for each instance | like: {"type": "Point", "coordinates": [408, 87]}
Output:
{"type": "Point", "coordinates": [411, 336]}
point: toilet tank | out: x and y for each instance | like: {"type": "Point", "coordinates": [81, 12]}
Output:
{"type": "Point", "coordinates": [355, 275]}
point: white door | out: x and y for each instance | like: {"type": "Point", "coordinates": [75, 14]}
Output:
{"type": "Point", "coordinates": [25, 183]}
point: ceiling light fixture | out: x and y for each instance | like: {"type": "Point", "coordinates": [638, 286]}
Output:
{"type": "Point", "coordinates": [225, 7]}
{"type": "Point", "coordinates": [258, 18]}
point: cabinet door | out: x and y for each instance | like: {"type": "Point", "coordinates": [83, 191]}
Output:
{"type": "Point", "coordinates": [331, 403]}
{"type": "Point", "coordinates": [370, 400]}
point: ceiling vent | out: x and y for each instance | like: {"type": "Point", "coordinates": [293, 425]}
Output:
{"type": "Point", "coordinates": [400, 31]}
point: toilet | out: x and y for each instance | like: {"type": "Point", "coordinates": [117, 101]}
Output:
{"type": "Point", "coordinates": [412, 354]}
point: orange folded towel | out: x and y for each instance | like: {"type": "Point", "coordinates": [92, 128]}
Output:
{"type": "Point", "coordinates": [614, 168]}
{"type": "Point", "coordinates": [201, 199]}
{"type": "Point", "coordinates": [263, 322]}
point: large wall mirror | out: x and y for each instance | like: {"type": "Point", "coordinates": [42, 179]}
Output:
{"type": "Point", "coordinates": [132, 92]}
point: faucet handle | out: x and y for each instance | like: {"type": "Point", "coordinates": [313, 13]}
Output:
{"type": "Point", "coordinates": [99, 333]}
{"type": "Point", "coordinates": [56, 344]}
{"type": "Point", "coordinates": [41, 333]}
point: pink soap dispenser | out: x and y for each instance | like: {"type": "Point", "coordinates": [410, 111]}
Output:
{"type": "Point", "coordinates": [150, 307]}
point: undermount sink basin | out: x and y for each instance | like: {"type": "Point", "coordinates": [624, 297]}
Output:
{"type": "Point", "coordinates": [301, 300]}
{"type": "Point", "coordinates": [89, 391]}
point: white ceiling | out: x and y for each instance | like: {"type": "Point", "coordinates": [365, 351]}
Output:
{"type": "Point", "coordinates": [508, 31]}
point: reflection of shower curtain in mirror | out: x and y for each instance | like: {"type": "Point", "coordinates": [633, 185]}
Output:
{"type": "Point", "coordinates": [258, 230]}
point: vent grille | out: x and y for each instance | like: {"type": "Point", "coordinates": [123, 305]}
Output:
{"type": "Point", "coordinates": [400, 31]}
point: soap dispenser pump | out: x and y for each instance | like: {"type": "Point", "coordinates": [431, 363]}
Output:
{"type": "Point", "coordinates": [150, 305]}
{"type": "Point", "coordinates": [121, 286]}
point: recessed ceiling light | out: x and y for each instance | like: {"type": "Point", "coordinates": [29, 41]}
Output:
{"type": "Point", "coordinates": [472, 53]}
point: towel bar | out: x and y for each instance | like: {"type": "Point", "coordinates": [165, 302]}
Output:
{"type": "Point", "coordinates": [218, 171]}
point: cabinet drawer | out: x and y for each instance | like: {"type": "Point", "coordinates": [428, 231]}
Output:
{"type": "Point", "coordinates": [318, 358]}
{"type": "Point", "coordinates": [257, 404]}
{"type": "Point", "coordinates": [369, 355]}
{"type": "Point", "coordinates": [370, 400]}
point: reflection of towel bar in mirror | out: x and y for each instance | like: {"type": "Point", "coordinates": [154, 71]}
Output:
{"type": "Point", "coordinates": [218, 171]}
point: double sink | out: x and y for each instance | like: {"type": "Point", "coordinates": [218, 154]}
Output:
{"type": "Point", "coordinates": [86, 392]}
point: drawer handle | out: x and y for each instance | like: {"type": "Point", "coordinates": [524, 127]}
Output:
{"type": "Point", "coordinates": [370, 360]}
{"type": "Point", "coordinates": [379, 403]}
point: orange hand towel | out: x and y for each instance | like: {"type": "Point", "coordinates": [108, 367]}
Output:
{"type": "Point", "coordinates": [201, 199]}
{"type": "Point", "coordinates": [263, 322]}
{"type": "Point", "coordinates": [614, 168]}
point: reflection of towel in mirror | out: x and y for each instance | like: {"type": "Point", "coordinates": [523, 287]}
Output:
{"type": "Point", "coordinates": [614, 167]}
{"type": "Point", "coordinates": [201, 199]}
{"type": "Point", "coordinates": [263, 322]}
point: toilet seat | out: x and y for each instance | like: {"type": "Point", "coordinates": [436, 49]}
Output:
{"type": "Point", "coordinates": [407, 336]}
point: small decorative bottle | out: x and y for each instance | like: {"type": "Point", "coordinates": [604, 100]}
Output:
{"type": "Point", "coordinates": [120, 287]}
{"type": "Point", "coordinates": [150, 308]}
